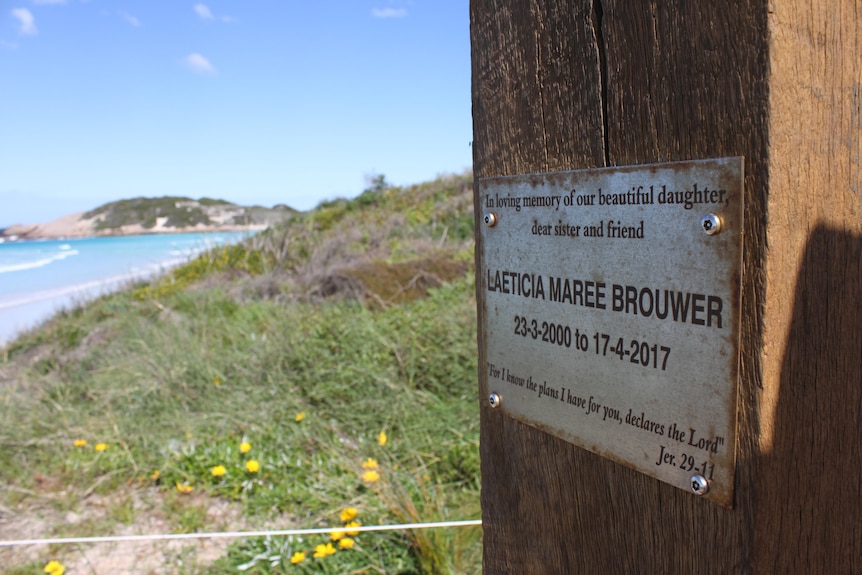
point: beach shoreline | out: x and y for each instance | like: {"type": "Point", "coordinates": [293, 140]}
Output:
{"type": "Point", "coordinates": [53, 276]}
{"type": "Point", "coordinates": [22, 315]}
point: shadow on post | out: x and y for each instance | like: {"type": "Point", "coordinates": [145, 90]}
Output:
{"type": "Point", "coordinates": [811, 482]}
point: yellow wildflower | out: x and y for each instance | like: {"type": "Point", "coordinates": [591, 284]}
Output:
{"type": "Point", "coordinates": [252, 466]}
{"type": "Point", "coordinates": [55, 568]}
{"type": "Point", "coordinates": [370, 463]}
{"type": "Point", "coordinates": [346, 543]}
{"type": "Point", "coordinates": [80, 443]}
{"type": "Point", "coordinates": [217, 381]}
{"type": "Point", "coordinates": [154, 476]}
{"type": "Point", "coordinates": [297, 557]}
{"type": "Point", "coordinates": [100, 447]}
{"type": "Point", "coordinates": [244, 447]}
{"type": "Point", "coordinates": [184, 487]}
{"type": "Point", "coordinates": [353, 533]}
{"type": "Point", "coordinates": [299, 416]}
{"type": "Point", "coordinates": [370, 476]}
{"type": "Point", "coordinates": [382, 439]}
{"type": "Point", "coordinates": [348, 514]}
{"type": "Point", "coordinates": [218, 470]}
{"type": "Point", "coordinates": [336, 535]}
{"type": "Point", "coordinates": [322, 550]}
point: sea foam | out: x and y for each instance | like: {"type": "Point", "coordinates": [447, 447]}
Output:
{"type": "Point", "coordinates": [37, 263]}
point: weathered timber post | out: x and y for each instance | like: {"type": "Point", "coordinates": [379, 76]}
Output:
{"type": "Point", "coordinates": [568, 84]}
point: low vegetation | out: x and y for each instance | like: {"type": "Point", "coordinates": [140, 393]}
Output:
{"type": "Point", "coordinates": [322, 374]}
{"type": "Point", "coordinates": [179, 212]}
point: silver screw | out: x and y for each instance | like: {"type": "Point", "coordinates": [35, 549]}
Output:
{"type": "Point", "coordinates": [490, 219]}
{"type": "Point", "coordinates": [699, 484]}
{"type": "Point", "coordinates": [711, 224]}
{"type": "Point", "coordinates": [494, 400]}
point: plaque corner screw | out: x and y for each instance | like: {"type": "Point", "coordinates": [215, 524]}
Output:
{"type": "Point", "coordinates": [699, 484]}
{"type": "Point", "coordinates": [490, 219]}
{"type": "Point", "coordinates": [494, 400]}
{"type": "Point", "coordinates": [711, 224]}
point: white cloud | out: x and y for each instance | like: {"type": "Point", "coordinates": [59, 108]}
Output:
{"type": "Point", "coordinates": [204, 12]}
{"type": "Point", "coordinates": [200, 65]}
{"type": "Point", "coordinates": [130, 19]}
{"type": "Point", "coordinates": [389, 12]}
{"type": "Point", "coordinates": [37, 2]}
{"type": "Point", "coordinates": [8, 45]}
{"type": "Point", "coordinates": [25, 18]}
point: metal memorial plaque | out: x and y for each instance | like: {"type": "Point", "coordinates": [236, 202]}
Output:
{"type": "Point", "coordinates": [612, 311]}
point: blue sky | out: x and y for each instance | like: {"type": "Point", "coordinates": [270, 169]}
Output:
{"type": "Point", "coordinates": [253, 101]}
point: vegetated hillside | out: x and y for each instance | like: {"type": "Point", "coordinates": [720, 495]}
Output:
{"type": "Point", "coordinates": [180, 212]}
{"type": "Point", "coordinates": [387, 245]}
{"type": "Point", "coordinates": [170, 214]}
{"type": "Point", "coordinates": [339, 348]}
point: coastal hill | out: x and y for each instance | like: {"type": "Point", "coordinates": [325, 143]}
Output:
{"type": "Point", "coordinates": [168, 214]}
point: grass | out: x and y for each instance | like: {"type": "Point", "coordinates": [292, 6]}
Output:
{"type": "Point", "coordinates": [305, 344]}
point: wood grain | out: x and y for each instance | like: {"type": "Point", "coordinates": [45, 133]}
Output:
{"type": "Point", "coordinates": [808, 509]}
{"type": "Point", "coordinates": [572, 84]}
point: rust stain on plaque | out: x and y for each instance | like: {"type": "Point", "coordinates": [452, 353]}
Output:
{"type": "Point", "coordinates": [611, 316]}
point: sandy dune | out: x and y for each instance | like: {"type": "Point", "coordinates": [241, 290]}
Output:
{"type": "Point", "coordinates": [76, 226]}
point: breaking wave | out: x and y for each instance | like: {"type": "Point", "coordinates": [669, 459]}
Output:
{"type": "Point", "coordinates": [38, 263]}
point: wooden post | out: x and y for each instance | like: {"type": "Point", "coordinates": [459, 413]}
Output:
{"type": "Point", "coordinates": [570, 84]}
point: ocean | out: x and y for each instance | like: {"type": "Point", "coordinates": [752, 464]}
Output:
{"type": "Point", "coordinates": [38, 278]}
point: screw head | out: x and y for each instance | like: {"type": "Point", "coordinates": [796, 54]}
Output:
{"type": "Point", "coordinates": [494, 400]}
{"type": "Point", "coordinates": [490, 219]}
{"type": "Point", "coordinates": [711, 224]}
{"type": "Point", "coordinates": [699, 484]}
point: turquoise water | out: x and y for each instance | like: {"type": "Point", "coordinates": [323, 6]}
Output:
{"type": "Point", "coordinates": [37, 278]}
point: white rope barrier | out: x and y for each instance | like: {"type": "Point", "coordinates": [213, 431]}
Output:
{"type": "Point", "coordinates": [234, 534]}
